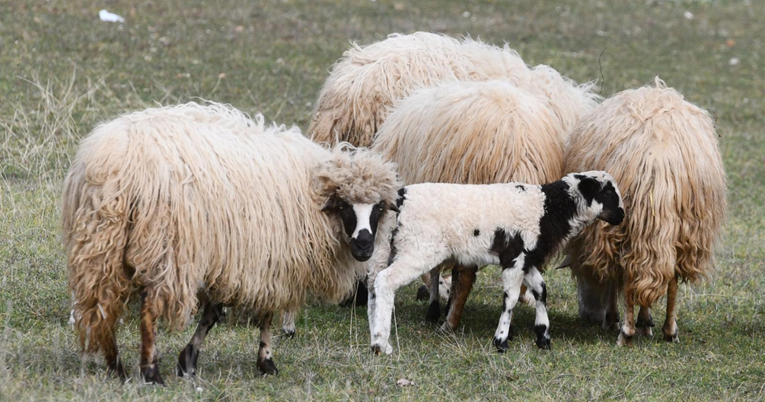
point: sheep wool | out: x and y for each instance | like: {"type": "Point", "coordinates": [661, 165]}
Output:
{"type": "Point", "coordinates": [663, 152]}
{"type": "Point", "coordinates": [367, 81]}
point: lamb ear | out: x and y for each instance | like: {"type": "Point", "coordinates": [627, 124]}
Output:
{"type": "Point", "coordinates": [589, 188]}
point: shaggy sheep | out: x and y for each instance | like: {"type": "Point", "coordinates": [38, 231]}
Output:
{"type": "Point", "coordinates": [663, 152]}
{"type": "Point", "coordinates": [367, 81]}
{"type": "Point", "coordinates": [471, 133]}
{"type": "Point", "coordinates": [194, 200]}
{"type": "Point", "coordinates": [516, 225]}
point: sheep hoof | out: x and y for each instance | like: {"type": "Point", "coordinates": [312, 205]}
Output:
{"type": "Point", "coordinates": [544, 343]}
{"type": "Point", "coordinates": [644, 331]}
{"type": "Point", "coordinates": [267, 367]}
{"type": "Point", "coordinates": [187, 362]}
{"type": "Point", "coordinates": [289, 333]}
{"type": "Point", "coordinates": [624, 339]}
{"type": "Point", "coordinates": [378, 349]}
{"type": "Point", "coordinates": [151, 375]}
{"type": "Point", "coordinates": [434, 312]}
{"type": "Point", "coordinates": [500, 345]}
{"type": "Point", "coordinates": [672, 338]}
{"type": "Point", "coordinates": [423, 293]}
{"type": "Point", "coordinates": [611, 322]}
{"type": "Point", "coordinates": [643, 327]}
{"type": "Point", "coordinates": [118, 370]}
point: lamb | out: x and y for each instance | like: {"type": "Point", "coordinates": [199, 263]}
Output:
{"type": "Point", "coordinates": [365, 84]}
{"type": "Point", "coordinates": [471, 133]}
{"type": "Point", "coordinates": [519, 226]}
{"type": "Point", "coordinates": [194, 203]}
{"type": "Point", "coordinates": [663, 151]}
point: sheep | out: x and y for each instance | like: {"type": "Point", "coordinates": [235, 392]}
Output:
{"type": "Point", "coordinates": [365, 84]}
{"type": "Point", "coordinates": [196, 203]}
{"type": "Point", "coordinates": [516, 225]}
{"type": "Point", "coordinates": [471, 133]}
{"type": "Point", "coordinates": [663, 152]}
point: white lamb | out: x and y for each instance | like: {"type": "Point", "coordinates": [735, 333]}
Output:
{"type": "Point", "coordinates": [517, 226]}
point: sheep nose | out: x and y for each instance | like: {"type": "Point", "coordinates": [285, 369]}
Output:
{"type": "Point", "coordinates": [362, 246]}
{"type": "Point", "coordinates": [364, 239]}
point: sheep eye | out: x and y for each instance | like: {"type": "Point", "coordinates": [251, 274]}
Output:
{"type": "Point", "coordinates": [381, 207]}
{"type": "Point", "coordinates": [340, 207]}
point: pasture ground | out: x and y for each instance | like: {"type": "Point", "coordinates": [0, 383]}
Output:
{"type": "Point", "coordinates": [62, 71]}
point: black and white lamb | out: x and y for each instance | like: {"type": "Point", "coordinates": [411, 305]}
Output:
{"type": "Point", "coordinates": [517, 226]}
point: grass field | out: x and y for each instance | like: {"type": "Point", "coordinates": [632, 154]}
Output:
{"type": "Point", "coordinates": [62, 71]}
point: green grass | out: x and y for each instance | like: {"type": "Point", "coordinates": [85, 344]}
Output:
{"type": "Point", "coordinates": [62, 71]}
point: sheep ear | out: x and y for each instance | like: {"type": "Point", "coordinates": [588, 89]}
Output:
{"type": "Point", "coordinates": [330, 204]}
{"type": "Point", "coordinates": [589, 188]}
{"type": "Point", "coordinates": [392, 207]}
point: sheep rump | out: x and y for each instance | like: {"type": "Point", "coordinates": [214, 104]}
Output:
{"type": "Point", "coordinates": [663, 152]}
{"type": "Point", "coordinates": [191, 198]}
{"type": "Point", "coordinates": [365, 84]}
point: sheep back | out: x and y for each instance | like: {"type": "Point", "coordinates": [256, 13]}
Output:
{"type": "Point", "coordinates": [473, 133]}
{"type": "Point", "coordinates": [367, 81]}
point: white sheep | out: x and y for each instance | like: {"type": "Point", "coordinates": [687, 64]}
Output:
{"type": "Point", "coordinates": [517, 226]}
{"type": "Point", "coordinates": [192, 200]}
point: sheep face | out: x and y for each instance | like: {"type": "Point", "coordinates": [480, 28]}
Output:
{"type": "Point", "coordinates": [359, 223]}
{"type": "Point", "coordinates": [599, 193]}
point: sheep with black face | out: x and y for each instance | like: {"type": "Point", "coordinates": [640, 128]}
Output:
{"type": "Point", "coordinates": [517, 226]}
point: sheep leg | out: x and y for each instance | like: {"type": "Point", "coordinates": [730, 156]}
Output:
{"type": "Point", "coordinates": [534, 281]}
{"type": "Point", "coordinates": [512, 280]}
{"type": "Point", "coordinates": [434, 305]}
{"type": "Point", "coordinates": [423, 292]}
{"type": "Point", "coordinates": [644, 323]}
{"type": "Point", "coordinates": [265, 362]}
{"type": "Point", "coordinates": [453, 290]}
{"type": "Point", "coordinates": [465, 278]}
{"type": "Point", "coordinates": [112, 355]}
{"type": "Point", "coordinates": [149, 365]}
{"type": "Point", "coordinates": [670, 324]}
{"type": "Point", "coordinates": [288, 322]}
{"type": "Point", "coordinates": [187, 359]}
{"type": "Point", "coordinates": [628, 328]}
{"type": "Point", "coordinates": [611, 318]}
{"type": "Point", "coordinates": [402, 272]}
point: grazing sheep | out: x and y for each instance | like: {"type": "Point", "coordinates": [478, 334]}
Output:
{"type": "Point", "coordinates": [471, 133]}
{"type": "Point", "coordinates": [365, 84]}
{"type": "Point", "coordinates": [194, 200]}
{"type": "Point", "coordinates": [663, 152]}
{"type": "Point", "coordinates": [518, 226]}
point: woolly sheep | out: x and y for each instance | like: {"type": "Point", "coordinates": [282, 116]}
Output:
{"type": "Point", "coordinates": [365, 84]}
{"type": "Point", "coordinates": [187, 200]}
{"type": "Point", "coordinates": [471, 133]}
{"type": "Point", "coordinates": [663, 152]}
{"type": "Point", "coordinates": [518, 226]}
